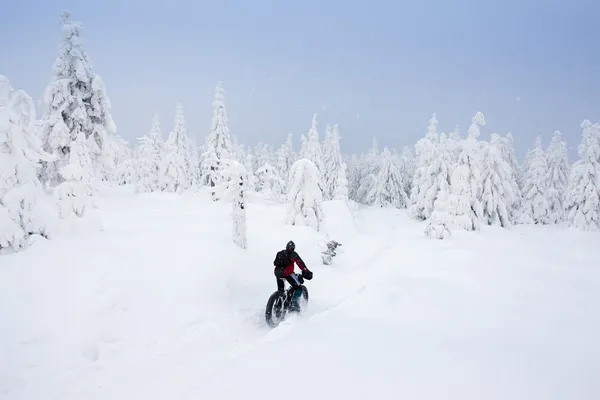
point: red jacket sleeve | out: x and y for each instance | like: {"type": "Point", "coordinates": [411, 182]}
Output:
{"type": "Point", "coordinates": [299, 262]}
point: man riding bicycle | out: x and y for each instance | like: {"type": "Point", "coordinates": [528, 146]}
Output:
{"type": "Point", "coordinates": [284, 269]}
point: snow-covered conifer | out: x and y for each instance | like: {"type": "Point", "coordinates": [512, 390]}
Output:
{"type": "Point", "coordinates": [464, 202]}
{"type": "Point", "coordinates": [75, 193]}
{"type": "Point", "coordinates": [25, 208]}
{"type": "Point", "coordinates": [313, 147]}
{"type": "Point", "coordinates": [558, 178]}
{"type": "Point", "coordinates": [305, 195]}
{"type": "Point", "coordinates": [440, 220]}
{"type": "Point", "coordinates": [75, 101]}
{"type": "Point", "coordinates": [218, 143]}
{"type": "Point", "coordinates": [150, 159]}
{"type": "Point", "coordinates": [285, 157]}
{"type": "Point", "coordinates": [270, 183]}
{"type": "Point", "coordinates": [408, 167]}
{"type": "Point", "coordinates": [177, 163]}
{"type": "Point", "coordinates": [332, 156]}
{"type": "Point", "coordinates": [583, 195]}
{"type": "Point", "coordinates": [341, 189]}
{"type": "Point", "coordinates": [535, 204]}
{"type": "Point", "coordinates": [369, 166]}
{"type": "Point", "coordinates": [497, 190]}
{"type": "Point", "coordinates": [389, 189]}
{"type": "Point", "coordinates": [422, 197]}
{"type": "Point", "coordinates": [250, 180]}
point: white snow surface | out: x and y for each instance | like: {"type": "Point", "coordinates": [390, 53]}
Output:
{"type": "Point", "coordinates": [160, 304]}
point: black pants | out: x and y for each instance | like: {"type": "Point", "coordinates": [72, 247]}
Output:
{"type": "Point", "coordinates": [292, 280]}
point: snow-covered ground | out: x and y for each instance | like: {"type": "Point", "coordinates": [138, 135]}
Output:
{"type": "Point", "coordinates": [160, 304]}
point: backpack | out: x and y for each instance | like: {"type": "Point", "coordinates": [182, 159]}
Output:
{"type": "Point", "coordinates": [282, 259]}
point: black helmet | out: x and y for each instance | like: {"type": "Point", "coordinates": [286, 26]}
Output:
{"type": "Point", "coordinates": [290, 246]}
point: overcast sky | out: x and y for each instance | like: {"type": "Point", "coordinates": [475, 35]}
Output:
{"type": "Point", "coordinates": [375, 68]}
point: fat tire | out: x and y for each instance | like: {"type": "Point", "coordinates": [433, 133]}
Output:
{"type": "Point", "coordinates": [269, 309]}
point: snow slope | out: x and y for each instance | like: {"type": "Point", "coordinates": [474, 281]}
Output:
{"type": "Point", "coordinates": [160, 304]}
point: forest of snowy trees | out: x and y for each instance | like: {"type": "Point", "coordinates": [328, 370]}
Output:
{"type": "Point", "coordinates": [52, 167]}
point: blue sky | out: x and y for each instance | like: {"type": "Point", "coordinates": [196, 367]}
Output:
{"type": "Point", "coordinates": [375, 68]}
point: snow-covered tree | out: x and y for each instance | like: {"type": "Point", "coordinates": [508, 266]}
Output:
{"type": "Point", "coordinates": [341, 189]}
{"type": "Point", "coordinates": [313, 150]}
{"type": "Point", "coordinates": [496, 176]}
{"type": "Point", "coordinates": [557, 177]}
{"type": "Point", "coordinates": [285, 157]}
{"type": "Point", "coordinates": [239, 204]}
{"type": "Point", "coordinates": [250, 180]}
{"type": "Point", "coordinates": [25, 208]}
{"type": "Point", "coordinates": [367, 172]}
{"type": "Point", "coordinates": [507, 150]}
{"type": "Point", "coordinates": [440, 220]}
{"type": "Point", "coordinates": [218, 143]}
{"type": "Point", "coordinates": [150, 159]}
{"type": "Point", "coordinates": [464, 201]}
{"type": "Point", "coordinates": [389, 188]}
{"type": "Point", "coordinates": [75, 193]}
{"type": "Point", "coordinates": [74, 102]}
{"type": "Point", "coordinates": [178, 163]}
{"type": "Point", "coordinates": [332, 156]}
{"type": "Point", "coordinates": [535, 204]}
{"type": "Point", "coordinates": [270, 183]}
{"type": "Point", "coordinates": [305, 195]}
{"type": "Point", "coordinates": [583, 195]}
{"type": "Point", "coordinates": [422, 197]}
{"type": "Point", "coordinates": [408, 167]}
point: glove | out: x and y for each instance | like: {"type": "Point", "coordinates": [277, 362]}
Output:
{"type": "Point", "coordinates": [307, 274]}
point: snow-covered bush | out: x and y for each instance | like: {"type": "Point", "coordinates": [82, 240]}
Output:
{"type": "Point", "coordinates": [305, 195]}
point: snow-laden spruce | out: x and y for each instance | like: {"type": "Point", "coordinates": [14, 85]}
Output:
{"type": "Point", "coordinates": [535, 208]}
{"type": "Point", "coordinates": [583, 195]}
{"type": "Point", "coordinates": [250, 182]}
{"type": "Point", "coordinates": [366, 174]}
{"type": "Point", "coordinates": [313, 151]}
{"type": "Point", "coordinates": [507, 150]}
{"type": "Point", "coordinates": [333, 161]}
{"type": "Point", "coordinates": [270, 183]}
{"type": "Point", "coordinates": [341, 190]}
{"type": "Point", "coordinates": [422, 195]}
{"type": "Point", "coordinates": [285, 157]}
{"type": "Point", "coordinates": [497, 195]}
{"type": "Point", "coordinates": [440, 221]}
{"type": "Point", "coordinates": [389, 188]}
{"type": "Point", "coordinates": [25, 209]}
{"type": "Point", "coordinates": [75, 193]}
{"type": "Point", "coordinates": [218, 142]}
{"type": "Point", "coordinates": [464, 202]}
{"type": "Point", "coordinates": [178, 164]}
{"type": "Point", "coordinates": [74, 102]}
{"type": "Point", "coordinates": [305, 195]}
{"type": "Point", "coordinates": [150, 159]}
{"type": "Point", "coordinates": [408, 167]}
{"type": "Point", "coordinates": [557, 178]}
